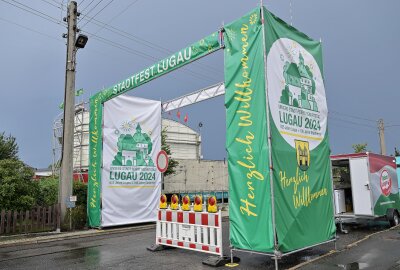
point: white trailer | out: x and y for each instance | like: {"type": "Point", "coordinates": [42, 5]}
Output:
{"type": "Point", "coordinates": [365, 187]}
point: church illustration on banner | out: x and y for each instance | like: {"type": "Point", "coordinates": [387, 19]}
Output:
{"type": "Point", "coordinates": [134, 150]}
{"type": "Point", "coordinates": [300, 77]}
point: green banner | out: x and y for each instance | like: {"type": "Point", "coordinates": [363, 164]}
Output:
{"type": "Point", "coordinates": [197, 50]}
{"type": "Point", "coordinates": [95, 160]}
{"type": "Point", "coordinates": [300, 144]}
{"type": "Point", "coordinates": [246, 135]}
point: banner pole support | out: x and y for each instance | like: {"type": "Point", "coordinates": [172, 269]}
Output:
{"type": "Point", "coordinates": [269, 126]}
{"type": "Point", "coordinates": [276, 249]}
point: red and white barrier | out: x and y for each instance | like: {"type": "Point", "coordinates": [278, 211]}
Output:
{"type": "Point", "coordinates": [200, 231]}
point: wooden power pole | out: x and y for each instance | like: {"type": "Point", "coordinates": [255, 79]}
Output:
{"type": "Point", "coordinates": [381, 128]}
{"type": "Point", "coordinates": [69, 113]}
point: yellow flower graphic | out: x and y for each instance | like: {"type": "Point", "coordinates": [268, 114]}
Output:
{"type": "Point", "coordinates": [253, 18]}
{"type": "Point", "coordinates": [195, 49]}
{"type": "Point", "coordinates": [126, 126]}
{"type": "Point", "coordinates": [230, 34]}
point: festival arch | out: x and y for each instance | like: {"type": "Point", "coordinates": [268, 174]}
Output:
{"type": "Point", "coordinates": [276, 124]}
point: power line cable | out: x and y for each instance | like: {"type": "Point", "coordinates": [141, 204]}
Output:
{"type": "Point", "coordinates": [42, 13]}
{"type": "Point", "coordinates": [86, 6]}
{"type": "Point", "coordinates": [32, 30]}
{"type": "Point", "coordinates": [109, 42]}
{"type": "Point", "coordinates": [148, 44]}
{"type": "Point", "coordinates": [143, 55]}
{"type": "Point", "coordinates": [104, 40]}
{"type": "Point", "coordinates": [351, 122]}
{"type": "Point", "coordinates": [97, 13]}
{"type": "Point", "coordinates": [57, 2]}
{"type": "Point", "coordinates": [92, 9]}
{"type": "Point", "coordinates": [353, 116]}
{"type": "Point", "coordinates": [360, 118]}
{"type": "Point", "coordinates": [131, 37]}
{"type": "Point", "coordinates": [117, 15]}
{"type": "Point", "coordinates": [62, 9]}
{"type": "Point", "coordinates": [120, 46]}
{"type": "Point", "coordinates": [395, 125]}
{"type": "Point", "coordinates": [41, 33]}
{"type": "Point", "coordinates": [53, 4]}
{"type": "Point", "coordinates": [32, 11]}
{"type": "Point", "coordinates": [59, 5]}
{"type": "Point", "coordinates": [346, 125]}
{"type": "Point", "coordinates": [142, 41]}
{"type": "Point", "coordinates": [126, 34]}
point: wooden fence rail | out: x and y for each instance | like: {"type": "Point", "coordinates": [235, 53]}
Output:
{"type": "Point", "coordinates": [38, 219]}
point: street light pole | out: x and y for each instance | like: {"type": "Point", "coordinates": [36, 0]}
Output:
{"type": "Point", "coordinates": [69, 113]}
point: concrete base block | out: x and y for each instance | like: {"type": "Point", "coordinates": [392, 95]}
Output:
{"type": "Point", "coordinates": [215, 261]}
{"type": "Point", "coordinates": [156, 247]}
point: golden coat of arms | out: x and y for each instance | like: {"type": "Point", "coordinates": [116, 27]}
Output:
{"type": "Point", "coordinates": [302, 154]}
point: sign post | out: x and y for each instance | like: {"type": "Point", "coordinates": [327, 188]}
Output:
{"type": "Point", "coordinates": [70, 203]}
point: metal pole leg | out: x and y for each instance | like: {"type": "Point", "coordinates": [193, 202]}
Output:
{"type": "Point", "coordinates": [276, 263]}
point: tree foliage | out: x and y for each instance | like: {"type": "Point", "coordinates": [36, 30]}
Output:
{"type": "Point", "coordinates": [17, 190]}
{"type": "Point", "coordinates": [396, 152]}
{"type": "Point", "coordinates": [172, 163]}
{"type": "Point", "coordinates": [360, 147]}
{"type": "Point", "coordinates": [8, 147]}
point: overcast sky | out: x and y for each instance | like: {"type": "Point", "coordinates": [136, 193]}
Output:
{"type": "Point", "coordinates": [360, 49]}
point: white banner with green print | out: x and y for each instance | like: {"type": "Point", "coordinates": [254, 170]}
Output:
{"type": "Point", "coordinates": [131, 183]}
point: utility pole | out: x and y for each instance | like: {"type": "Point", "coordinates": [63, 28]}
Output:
{"type": "Point", "coordinates": [69, 112]}
{"type": "Point", "coordinates": [381, 128]}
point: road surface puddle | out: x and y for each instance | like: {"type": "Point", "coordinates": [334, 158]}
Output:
{"type": "Point", "coordinates": [353, 266]}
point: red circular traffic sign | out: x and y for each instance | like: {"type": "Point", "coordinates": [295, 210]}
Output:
{"type": "Point", "coordinates": [162, 161]}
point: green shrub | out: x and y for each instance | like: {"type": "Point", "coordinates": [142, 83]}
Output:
{"type": "Point", "coordinates": [78, 216]}
{"type": "Point", "coordinates": [80, 190]}
{"type": "Point", "coordinates": [48, 192]}
{"type": "Point", "coordinates": [78, 213]}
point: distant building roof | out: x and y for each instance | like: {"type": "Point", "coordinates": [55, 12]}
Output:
{"type": "Point", "coordinates": [184, 142]}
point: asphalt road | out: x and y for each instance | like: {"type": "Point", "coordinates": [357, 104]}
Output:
{"type": "Point", "coordinates": [381, 251]}
{"type": "Point", "coordinates": [128, 251]}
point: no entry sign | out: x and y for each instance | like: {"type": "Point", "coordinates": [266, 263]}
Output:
{"type": "Point", "coordinates": [162, 161]}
